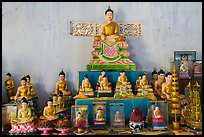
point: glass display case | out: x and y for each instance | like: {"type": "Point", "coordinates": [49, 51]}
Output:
{"type": "Point", "coordinates": [79, 118]}
{"type": "Point", "coordinates": [99, 117]}
{"type": "Point", "coordinates": [117, 116]}
{"type": "Point", "coordinates": [158, 115]}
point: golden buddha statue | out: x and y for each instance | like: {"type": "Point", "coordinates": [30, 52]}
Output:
{"type": "Point", "coordinates": [100, 78]}
{"type": "Point", "coordinates": [104, 84]}
{"type": "Point", "coordinates": [55, 103]}
{"type": "Point", "coordinates": [31, 86]}
{"type": "Point", "coordinates": [86, 85]}
{"type": "Point", "coordinates": [22, 91]}
{"type": "Point", "coordinates": [122, 79]}
{"type": "Point", "coordinates": [60, 107]}
{"type": "Point", "coordinates": [49, 112]}
{"type": "Point", "coordinates": [109, 29]}
{"type": "Point", "coordinates": [137, 83]}
{"type": "Point", "coordinates": [144, 82]}
{"type": "Point", "coordinates": [9, 84]}
{"type": "Point", "coordinates": [61, 85]}
{"type": "Point", "coordinates": [167, 86]}
{"type": "Point", "coordinates": [24, 114]}
{"type": "Point", "coordinates": [158, 83]}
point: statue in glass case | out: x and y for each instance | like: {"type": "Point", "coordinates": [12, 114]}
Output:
{"type": "Point", "coordinates": [117, 116]}
{"type": "Point", "coordinates": [99, 109]}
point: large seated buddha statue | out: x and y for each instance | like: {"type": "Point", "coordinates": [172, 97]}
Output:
{"type": "Point", "coordinates": [49, 112]}
{"type": "Point", "coordinates": [109, 29]}
{"type": "Point", "coordinates": [24, 114]}
{"type": "Point", "coordinates": [22, 91]}
{"type": "Point", "coordinates": [123, 86]}
{"type": "Point", "coordinates": [62, 86]}
{"type": "Point", "coordinates": [110, 48]}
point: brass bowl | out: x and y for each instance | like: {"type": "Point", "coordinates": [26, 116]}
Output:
{"type": "Point", "coordinates": [97, 38]}
{"type": "Point", "coordinates": [174, 99]}
{"type": "Point", "coordinates": [176, 111]}
{"type": "Point", "coordinates": [175, 105]}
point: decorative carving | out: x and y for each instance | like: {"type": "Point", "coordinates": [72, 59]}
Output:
{"type": "Point", "coordinates": [130, 29]}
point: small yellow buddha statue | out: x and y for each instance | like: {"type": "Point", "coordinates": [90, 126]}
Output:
{"type": "Point", "coordinates": [99, 115]}
{"type": "Point", "coordinates": [158, 83]}
{"type": "Point", "coordinates": [104, 84]}
{"type": "Point", "coordinates": [49, 112]}
{"type": "Point", "coordinates": [144, 82]}
{"type": "Point", "coordinates": [86, 85]}
{"type": "Point", "coordinates": [31, 86]}
{"type": "Point", "coordinates": [24, 114]}
{"type": "Point", "coordinates": [100, 78]}
{"type": "Point", "coordinates": [137, 83]}
{"type": "Point", "coordinates": [9, 84]}
{"type": "Point", "coordinates": [167, 86]}
{"type": "Point", "coordinates": [60, 107]}
{"type": "Point", "coordinates": [122, 79]}
{"type": "Point", "coordinates": [22, 91]}
{"type": "Point", "coordinates": [109, 29]}
{"type": "Point", "coordinates": [55, 103]}
{"type": "Point", "coordinates": [61, 85]}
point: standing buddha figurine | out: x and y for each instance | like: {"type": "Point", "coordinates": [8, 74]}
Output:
{"type": "Point", "coordinates": [9, 84]}
{"type": "Point", "coordinates": [61, 85]}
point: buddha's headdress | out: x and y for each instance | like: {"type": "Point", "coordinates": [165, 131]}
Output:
{"type": "Point", "coordinates": [168, 73]}
{"type": "Point", "coordinates": [109, 9]}
{"type": "Point", "coordinates": [62, 73]}
{"type": "Point", "coordinates": [24, 78]}
{"type": "Point", "coordinates": [24, 100]}
{"type": "Point", "coordinates": [161, 71]}
{"type": "Point", "coordinates": [28, 76]}
{"type": "Point", "coordinates": [154, 71]}
{"type": "Point", "coordinates": [8, 74]}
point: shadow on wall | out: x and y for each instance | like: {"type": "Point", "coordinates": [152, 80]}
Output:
{"type": "Point", "coordinates": [69, 79]}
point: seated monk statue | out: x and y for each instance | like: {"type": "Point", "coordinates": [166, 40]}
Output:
{"type": "Point", "coordinates": [86, 85]}
{"type": "Point", "coordinates": [122, 79]}
{"type": "Point", "coordinates": [49, 112]}
{"type": "Point", "coordinates": [9, 85]}
{"type": "Point", "coordinates": [62, 85]}
{"type": "Point", "coordinates": [22, 91]}
{"type": "Point", "coordinates": [60, 104]}
{"type": "Point", "coordinates": [24, 114]}
{"type": "Point", "coordinates": [104, 84]}
{"type": "Point", "coordinates": [109, 29]}
{"type": "Point", "coordinates": [157, 113]}
{"type": "Point", "coordinates": [167, 86]}
{"type": "Point", "coordinates": [31, 86]}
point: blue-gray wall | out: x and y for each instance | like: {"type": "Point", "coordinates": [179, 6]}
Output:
{"type": "Point", "coordinates": [36, 38]}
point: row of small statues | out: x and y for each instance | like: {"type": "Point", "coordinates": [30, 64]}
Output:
{"type": "Point", "coordinates": [160, 84]}
{"type": "Point", "coordinates": [27, 89]}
